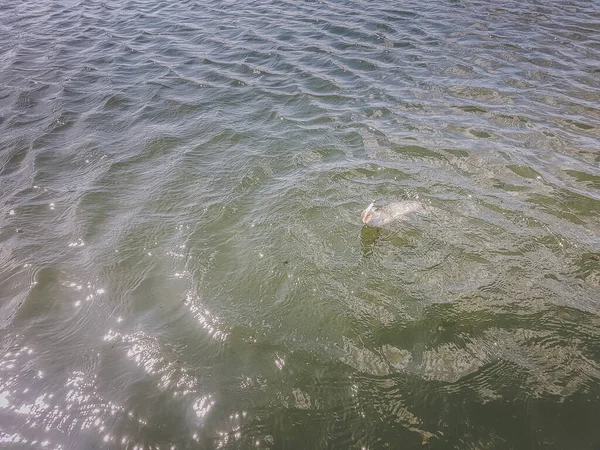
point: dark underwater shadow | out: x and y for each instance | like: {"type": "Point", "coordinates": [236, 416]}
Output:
{"type": "Point", "coordinates": [368, 238]}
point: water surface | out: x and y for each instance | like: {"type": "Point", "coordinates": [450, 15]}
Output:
{"type": "Point", "coordinates": [182, 263]}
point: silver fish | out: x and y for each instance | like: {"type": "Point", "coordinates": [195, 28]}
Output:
{"type": "Point", "coordinates": [374, 216]}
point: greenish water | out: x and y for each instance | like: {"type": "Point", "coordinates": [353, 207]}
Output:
{"type": "Point", "coordinates": [182, 262]}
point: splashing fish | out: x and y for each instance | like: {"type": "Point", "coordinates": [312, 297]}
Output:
{"type": "Point", "coordinates": [374, 216]}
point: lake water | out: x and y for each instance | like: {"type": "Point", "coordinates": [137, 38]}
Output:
{"type": "Point", "coordinates": [182, 262]}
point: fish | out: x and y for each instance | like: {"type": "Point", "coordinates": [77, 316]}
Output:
{"type": "Point", "coordinates": [374, 216]}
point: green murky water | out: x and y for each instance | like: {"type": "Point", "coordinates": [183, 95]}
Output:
{"type": "Point", "coordinates": [182, 263]}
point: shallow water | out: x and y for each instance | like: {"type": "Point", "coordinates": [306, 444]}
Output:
{"type": "Point", "coordinates": [182, 262]}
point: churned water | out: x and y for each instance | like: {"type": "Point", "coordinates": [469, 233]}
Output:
{"type": "Point", "coordinates": [182, 261]}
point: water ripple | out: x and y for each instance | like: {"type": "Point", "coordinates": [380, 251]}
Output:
{"type": "Point", "coordinates": [181, 256]}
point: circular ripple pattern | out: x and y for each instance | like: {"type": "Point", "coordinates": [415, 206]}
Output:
{"type": "Point", "coordinates": [182, 263]}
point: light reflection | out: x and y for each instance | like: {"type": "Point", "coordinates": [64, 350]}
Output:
{"type": "Point", "coordinates": [147, 354]}
{"type": "Point", "coordinates": [202, 406]}
{"type": "Point", "coordinates": [77, 382]}
{"type": "Point", "coordinates": [33, 409]}
{"type": "Point", "coordinates": [181, 275]}
{"type": "Point", "coordinates": [279, 362]}
{"type": "Point", "coordinates": [92, 291]}
{"type": "Point", "coordinates": [234, 432]}
{"type": "Point", "coordinates": [4, 402]}
{"type": "Point", "coordinates": [75, 406]}
{"type": "Point", "coordinates": [6, 438]}
{"type": "Point", "coordinates": [246, 382]}
{"type": "Point", "coordinates": [209, 322]}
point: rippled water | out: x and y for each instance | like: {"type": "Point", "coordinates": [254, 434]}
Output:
{"type": "Point", "coordinates": [182, 263]}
